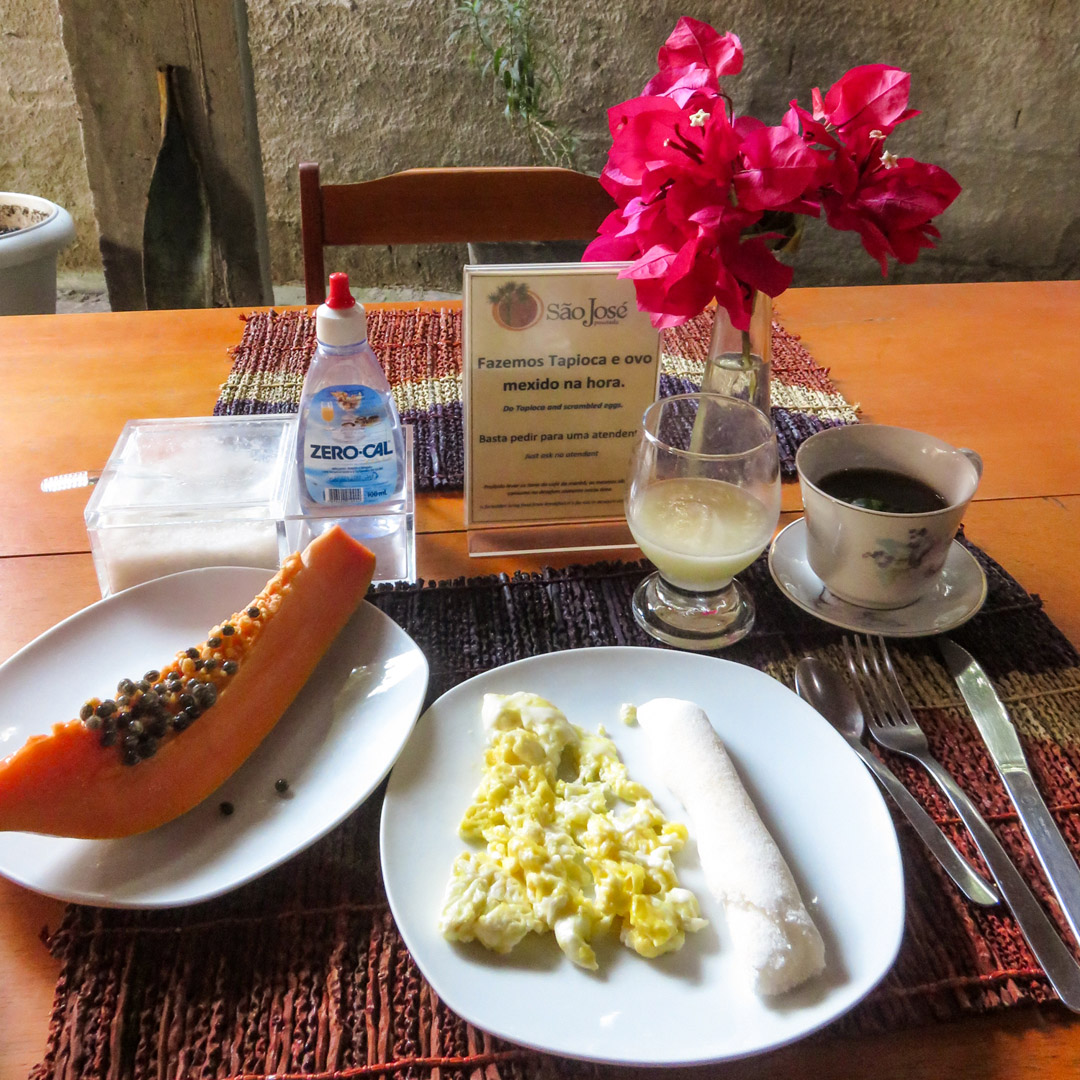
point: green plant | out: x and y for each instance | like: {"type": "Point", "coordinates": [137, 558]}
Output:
{"type": "Point", "coordinates": [508, 43]}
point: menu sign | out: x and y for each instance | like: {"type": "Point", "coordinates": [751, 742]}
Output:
{"type": "Point", "coordinates": [558, 365]}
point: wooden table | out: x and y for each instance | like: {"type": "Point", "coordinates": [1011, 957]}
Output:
{"type": "Point", "coordinates": [990, 366]}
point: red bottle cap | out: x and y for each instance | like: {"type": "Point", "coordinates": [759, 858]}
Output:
{"type": "Point", "coordinates": [340, 297]}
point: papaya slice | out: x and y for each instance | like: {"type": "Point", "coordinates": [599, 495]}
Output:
{"type": "Point", "coordinates": [171, 737]}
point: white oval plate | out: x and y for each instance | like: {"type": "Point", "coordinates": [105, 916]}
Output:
{"type": "Point", "coordinates": [333, 757]}
{"type": "Point", "coordinates": [816, 797]}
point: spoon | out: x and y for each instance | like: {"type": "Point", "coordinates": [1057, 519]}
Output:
{"type": "Point", "coordinates": [825, 689]}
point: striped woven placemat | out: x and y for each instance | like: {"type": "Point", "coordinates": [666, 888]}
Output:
{"type": "Point", "coordinates": [304, 973]}
{"type": "Point", "coordinates": [420, 351]}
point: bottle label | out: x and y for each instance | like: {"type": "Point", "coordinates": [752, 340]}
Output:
{"type": "Point", "coordinates": [349, 447]}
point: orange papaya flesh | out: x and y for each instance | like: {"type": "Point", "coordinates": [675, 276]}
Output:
{"type": "Point", "coordinates": [67, 783]}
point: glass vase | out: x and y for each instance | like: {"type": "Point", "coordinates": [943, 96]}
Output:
{"type": "Point", "coordinates": [739, 363]}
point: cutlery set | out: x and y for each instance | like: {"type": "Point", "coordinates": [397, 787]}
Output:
{"type": "Point", "coordinates": [874, 702]}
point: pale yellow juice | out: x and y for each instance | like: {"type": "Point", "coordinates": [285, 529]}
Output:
{"type": "Point", "coordinates": [700, 533]}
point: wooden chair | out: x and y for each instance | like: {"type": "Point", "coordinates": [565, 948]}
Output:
{"type": "Point", "coordinates": [445, 206]}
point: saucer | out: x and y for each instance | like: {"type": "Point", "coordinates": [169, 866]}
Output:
{"type": "Point", "coordinates": [958, 594]}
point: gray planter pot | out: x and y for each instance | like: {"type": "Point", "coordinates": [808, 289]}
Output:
{"type": "Point", "coordinates": [33, 231]}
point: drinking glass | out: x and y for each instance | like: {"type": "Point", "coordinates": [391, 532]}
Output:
{"type": "Point", "coordinates": [702, 501]}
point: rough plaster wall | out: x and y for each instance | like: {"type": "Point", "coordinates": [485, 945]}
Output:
{"type": "Point", "coordinates": [366, 87]}
{"type": "Point", "coordinates": [41, 149]}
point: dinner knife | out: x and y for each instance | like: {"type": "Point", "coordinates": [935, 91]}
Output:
{"type": "Point", "coordinates": [1001, 740]}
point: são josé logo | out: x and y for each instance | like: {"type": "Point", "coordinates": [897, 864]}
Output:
{"type": "Point", "coordinates": [514, 306]}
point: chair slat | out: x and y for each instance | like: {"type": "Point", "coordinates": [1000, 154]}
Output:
{"type": "Point", "coordinates": [446, 206]}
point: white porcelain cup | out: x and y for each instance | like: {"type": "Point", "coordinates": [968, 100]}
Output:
{"type": "Point", "coordinates": [873, 558]}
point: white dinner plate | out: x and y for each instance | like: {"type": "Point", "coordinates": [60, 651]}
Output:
{"type": "Point", "coordinates": [816, 797]}
{"type": "Point", "coordinates": [333, 745]}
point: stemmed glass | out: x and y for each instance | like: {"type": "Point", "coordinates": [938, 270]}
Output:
{"type": "Point", "coordinates": [702, 502]}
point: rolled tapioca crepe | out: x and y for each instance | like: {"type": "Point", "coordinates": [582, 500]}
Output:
{"type": "Point", "coordinates": [771, 932]}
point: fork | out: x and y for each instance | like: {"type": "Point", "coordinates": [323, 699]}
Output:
{"type": "Point", "coordinates": [893, 725]}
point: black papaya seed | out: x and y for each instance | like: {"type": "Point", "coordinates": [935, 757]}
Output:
{"type": "Point", "coordinates": [205, 695]}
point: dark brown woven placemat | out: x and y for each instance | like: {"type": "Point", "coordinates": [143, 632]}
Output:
{"type": "Point", "coordinates": [420, 351]}
{"type": "Point", "coordinates": [304, 973]}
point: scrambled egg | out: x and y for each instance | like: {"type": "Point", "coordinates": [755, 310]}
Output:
{"type": "Point", "coordinates": [572, 844]}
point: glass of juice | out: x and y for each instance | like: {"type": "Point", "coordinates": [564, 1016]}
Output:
{"type": "Point", "coordinates": [702, 501]}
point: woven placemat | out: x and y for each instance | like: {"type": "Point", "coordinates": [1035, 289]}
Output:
{"type": "Point", "coordinates": [303, 972]}
{"type": "Point", "coordinates": [420, 351]}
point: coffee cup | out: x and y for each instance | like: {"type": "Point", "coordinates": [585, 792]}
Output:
{"type": "Point", "coordinates": [882, 506]}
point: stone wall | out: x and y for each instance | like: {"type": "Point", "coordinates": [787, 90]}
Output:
{"type": "Point", "coordinates": [41, 150]}
{"type": "Point", "coordinates": [367, 87]}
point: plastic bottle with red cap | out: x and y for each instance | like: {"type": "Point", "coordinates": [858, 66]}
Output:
{"type": "Point", "coordinates": [349, 444]}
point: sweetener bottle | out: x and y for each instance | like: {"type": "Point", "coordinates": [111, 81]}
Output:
{"type": "Point", "coordinates": [350, 449]}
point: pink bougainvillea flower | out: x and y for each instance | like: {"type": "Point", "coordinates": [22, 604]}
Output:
{"type": "Point", "coordinates": [892, 209]}
{"type": "Point", "coordinates": [673, 286]}
{"type": "Point", "coordinates": [753, 262]}
{"type": "Point", "coordinates": [778, 168]}
{"type": "Point", "coordinates": [873, 96]}
{"type": "Point", "coordinates": [641, 131]}
{"type": "Point", "coordinates": [692, 59]}
{"type": "Point", "coordinates": [615, 246]}
{"type": "Point", "coordinates": [813, 130]}
{"type": "Point", "coordinates": [706, 208]}
{"type": "Point", "coordinates": [720, 146]}
{"type": "Point", "coordinates": [693, 185]}
{"type": "Point", "coordinates": [696, 44]}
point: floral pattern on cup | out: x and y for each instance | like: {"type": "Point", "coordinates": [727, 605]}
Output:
{"type": "Point", "coordinates": [897, 557]}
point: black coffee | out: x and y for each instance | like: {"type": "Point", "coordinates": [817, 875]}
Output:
{"type": "Point", "coordinates": [882, 489]}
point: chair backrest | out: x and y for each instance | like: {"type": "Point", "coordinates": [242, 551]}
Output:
{"type": "Point", "coordinates": [445, 206]}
